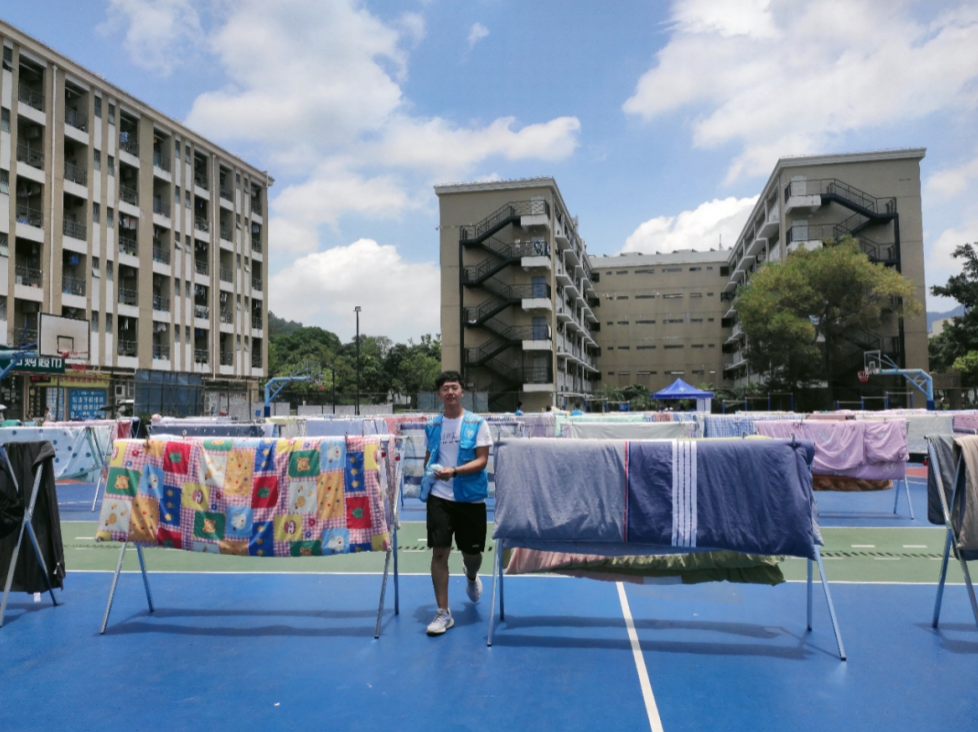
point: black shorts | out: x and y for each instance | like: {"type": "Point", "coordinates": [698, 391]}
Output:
{"type": "Point", "coordinates": [467, 521]}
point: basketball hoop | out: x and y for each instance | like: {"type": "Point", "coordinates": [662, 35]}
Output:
{"type": "Point", "coordinates": [864, 376]}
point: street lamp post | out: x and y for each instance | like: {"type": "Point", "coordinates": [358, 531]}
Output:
{"type": "Point", "coordinates": [333, 370]}
{"type": "Point", "coordinates": [357, 311]}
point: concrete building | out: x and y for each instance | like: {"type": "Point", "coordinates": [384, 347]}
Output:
{"type": "Point", "coordinates": [114, 213]}
{"type": "Point", "coordinates": [872, 196]}
{"type": "Point", "coordinates": [660, 318]}
{"type": "Point", "coordinates": [517, 294]}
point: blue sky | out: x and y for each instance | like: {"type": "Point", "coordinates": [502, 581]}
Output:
{"type": "Point", "coordinates": [660, 121]}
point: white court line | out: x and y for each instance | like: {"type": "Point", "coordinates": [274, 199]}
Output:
{"type": "Point", "coordinates": [643, 675]}
{"type": "Point", "coordinates": [863, 546]}
{"type": "Point", "coordinates": [914, 546]}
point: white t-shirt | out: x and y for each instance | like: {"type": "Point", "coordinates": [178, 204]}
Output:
{"type": "Point", "coordinates": [451, 430]}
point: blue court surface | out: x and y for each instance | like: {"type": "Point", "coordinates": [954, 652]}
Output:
{"type": "Point", "coordinates": [279, 650]}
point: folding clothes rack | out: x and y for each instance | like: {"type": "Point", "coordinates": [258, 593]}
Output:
{"type": "Point", "coordinates": [393, 522]}
{"type": "Point", "coordinates": [498, 571]}
{"type": "Point", "coordinates": [25, 525]}
{"type": "Point", "coordinates": [952, 535]}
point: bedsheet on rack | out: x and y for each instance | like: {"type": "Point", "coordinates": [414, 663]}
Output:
{"type": "Point", "coordinates": [212, 429]}
{"type": "Point", "coordinates": [300, 497]}
{"type": "Point", "coordinates": [79, 449]}
{"type": "Point", "coordinates": [854, 448]}
{"type": "Point", "coordinates": [539, 425]}
{"type": "Point", "coordinates": [966, 422]}
{"type": "Point", "coordinates": [620, 498]}
{"type": "Point", "coordinates": [947, 450]}
{"type": "Point", "coordinates": [741, 424]}
{"type": "Point", "coordinates": [585, 430]}
{"type": "Point", "coordinates": [343, 426]}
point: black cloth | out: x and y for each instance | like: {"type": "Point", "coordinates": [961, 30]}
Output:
{"type": "Point", "coordinates": [947, 453]}
{"type": "Point", "coordinates": [26, 458]}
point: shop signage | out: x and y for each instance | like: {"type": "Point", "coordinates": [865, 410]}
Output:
{"type": "Point", "coordinates": [43, 364]}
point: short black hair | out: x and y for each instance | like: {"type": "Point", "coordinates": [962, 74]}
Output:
{"type": "Point", "coordinates": [446, 376]}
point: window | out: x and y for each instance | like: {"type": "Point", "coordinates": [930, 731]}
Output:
{"type": "Point", "coordinates": [237, 181]}
{"type": "Point", "coordinates": [111, 113]}
{"type": "Point", "coordinates": [111, 165]}
{"type": "Point", "coordinates": [696, 294]}
{"type": "Point", "coordinates": [645, 271]}
{"type": "Point", "coordinates": [673, 345]}
{"type": "Point", "coordinates": [672, 269]}
{"type": "Point", "coordinates": [109, 217]}
{"type": "Point", "coordinates": [8, 58]}
{"type": "Point", "coordinates": [695, 269]}
{"type": "Point", "coordinates": [644, 348]}
{"type": "Point", "coordinates": [96, 213]}
{"type": "Point", "coordinates": [611, 322]}
{"type": "Point", "coordinates": [673, 296]}
{"type": "Point", "coordinates": [676, 373]}
{"type": "Point", "coordinates": [186, 336]}
{"type": "Point", "coordinates": [645, 373]}
{"type": "Point", "coordinates": [108, 271]}
{"type": "Point", "coordinates": [5, 181]}
{"type": "Point", "coordinates": [622, 297]}
{"type": "Point", "coordinates": [97, 273]}
{"type": "Point", "coordinates": [108, 322]}
{"type": "Point", "coordinates": [709, 268]}
{"type": "Point", "coordinates": [237, 221]}
{"type": "Point", "coordinates": [98, 109]}
{"type": "Point", "coordinates": [673, 321]}
{"type": "Point", "coordinates": [187, 283]}
{"type": "Point", "coordinates": [96, 318]}
{"type": "Point", "coordinates": [97, 159]}
{"type": "Point", "coordinates": [622, 271]}
{"type": "Point", "coordinates": [645, 322]}
{"type": "Point", "coordinates": [4, 249]}
{"type": "Point", "coordinates": [709, 320]}
{"type": "Point", "coordinates": [624, 373]}
{"type": "Point", "coordinates": [709, 294]}
{"type": "Point", "coordinates": [186, 152]}
{"type": "Point", "coordinates": [609, 273]}
{"type": "Point", "coordinates": [5, 120]}
{"type": "Point", "coordinates": [186, 199]}
{"type": "Point", "coordinates": [622, 322]}
{"type": "Point", "coordinates": [624, 348]}
{"type": "Point", "coordinates": [645, 297]}
{"type": "Point", "coordinates": [696, 345]}
{"type": "Point", "coordinates": [176, 196]}
{"type": "Point", "coordinates": [238, 259]}
{"type": "Point", "coordinates": [696, 320]}
{"type": "Point", "coordinates": [611, 348]}
{"type": "Point", "coordinates": [713, 345]}
{"type": "Point", "coordinates": [698, 372]}
{"type": "Point", "coordinates": [176, 333]}
{"type": "Point", "coordinates": [187, 239]}
{"type": "Point", "coordinates": [611, 373]}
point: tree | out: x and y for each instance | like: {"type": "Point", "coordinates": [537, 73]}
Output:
{"type": "Point", "coordinates": [968, 366]}
{"type": "Point", "coordinates": [960, 336]}
{"type": "Point", "coordinates": [802, 315]}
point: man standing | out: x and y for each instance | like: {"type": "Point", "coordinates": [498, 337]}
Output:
{"type": "Point", "coordinates": [458, 441]}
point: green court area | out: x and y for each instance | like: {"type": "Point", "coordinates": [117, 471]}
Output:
{"type": "Point", "coordinates": [850, 555]}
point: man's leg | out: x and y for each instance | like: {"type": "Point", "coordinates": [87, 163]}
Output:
{"type": "Point", "coordinates": [472, 562]}
{"type": "Point", "coordinates": [439, 575]}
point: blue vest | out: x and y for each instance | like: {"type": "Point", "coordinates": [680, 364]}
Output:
{"type": "Point", "coordinates": [467, 488]}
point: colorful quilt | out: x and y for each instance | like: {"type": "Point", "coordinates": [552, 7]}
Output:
{"type": "Point", "coordinates": [307, 496]}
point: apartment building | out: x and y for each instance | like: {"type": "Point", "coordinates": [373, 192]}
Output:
{"type": "Point", "coordinates": [872, 196]}
{"type": "Point", "coordinates": [113, 213]}
{"type": "Point", "coordinates": [661, 318]}
{"type": "Point", "coordinates": [518, 301]}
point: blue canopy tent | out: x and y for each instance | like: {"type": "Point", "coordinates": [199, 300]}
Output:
{"type": "Point", "coordinates": [679, 389]}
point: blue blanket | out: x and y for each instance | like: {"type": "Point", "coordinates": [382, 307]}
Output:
{"type": "Point", "coordinates": [654, 497]}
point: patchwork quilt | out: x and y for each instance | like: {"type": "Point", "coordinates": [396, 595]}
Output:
{"type": "Point", "coordinates": [305, 496]}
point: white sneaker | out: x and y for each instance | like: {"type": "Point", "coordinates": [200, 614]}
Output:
{"type": "Point", "coordinates": [442, 622]}
{"type": "Point", "coordinates": [473, 588]}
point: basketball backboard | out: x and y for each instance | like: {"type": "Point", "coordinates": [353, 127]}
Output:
{"type": "Point", "coordinates": [872, 361]}
{"type": "Point", "coordinates": [58, 336]}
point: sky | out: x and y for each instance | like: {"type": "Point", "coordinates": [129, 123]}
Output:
{"type": "Point", "coordinates": [660, 121]}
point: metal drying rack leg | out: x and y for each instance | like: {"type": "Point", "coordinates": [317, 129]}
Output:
{"type": "Point", "coordinates": [115, 582]}
{"type": "Point", "coordinates": [828, 599]}
{"type": "Point", "coordinates": [497, 573]}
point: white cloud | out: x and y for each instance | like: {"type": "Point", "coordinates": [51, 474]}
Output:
{"type": "Point", "coordinates": [160, 34]}
{"type": "Point", "coordinates": [952, 181]}
{"type": "Point", "coordinates": [702, 228]}
{"type": "Point", "coordinates": [323, 288]}
{"type": "Point", "coordinates": [940, 263]}
{"type": "Point", "coordinates": [438, 145]}
{"type": "Point", "coordinates": [413, 26]}
{"type": "Point", "coordinates": [781, 78]}
{"type": "Point", "coordinates": [310, 72]}
{"type": "Point", "coordinates": [476, 34]}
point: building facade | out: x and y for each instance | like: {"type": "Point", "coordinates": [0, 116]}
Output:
{"type": "Point", "coordinates": [517, 294]}
{"type": "Point", "coordinates": [113, 213]}
{"type": "Point", "coordinates": [874, 197]}
{"type": "Point", "coordinates": [660, 318]}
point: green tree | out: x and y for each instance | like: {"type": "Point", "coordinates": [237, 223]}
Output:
{"type": "Point", "coordinates": [800, 316]}
{"type": "Point", "coordinates": [968, 366]}
{"type": "Point", "coordinates": [960, 336]}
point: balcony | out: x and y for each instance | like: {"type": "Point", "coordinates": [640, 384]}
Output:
{"type": "Point", "coordinates": [201, 224]}
{"type": "Point", "coordinates": [129, 195]}
{"type": "Point", "coordinates": [161, 253]}
{"type": "Point", "coordinates": [29, 216]}
{"type": "Point", "coordinates": [127, 348]}
{"type": "Point", "coordinates": [128, 245]}
{"type": "Point", "coordinates": [128, 297]}
{"type": "Point", "coordinates": [161, 161]}
{"type": "Point", "coordinates": [202, 311]}
{"type": "Point", "coordinates": [75, 229]}
{"type": "Point", "coordinates": [201, 356]}
{"type": "Point", "coordinates": [256, 283]}
{"type": "Point", "coordinates": [256, 322]}
{"type": "Point", "coordinates": [256, 359]}
{"type": "Point", "coordinates": [129, 143]}
{"type": "Point", "coordinates": [226, 317]}
{"type": "Point", "coordinates": [161, 352]}
{"type": "Point", "coordinates": [226, 234]}
{"type": "Point", "coordinates": [256, 206]}
{"type": "Point", "coordinates": [30, 97]}
{"type": "Point", "coordinates": [200, 266]}
{"type": "Point", "coordinates": [30, 155]}
{"type": "Point", "coordinates": [76, 174]}
{"type": "Point", "coordinates": [73, 285]}
{"type": "Point", "coordinates": [256, 244]}
{"type": "Point", "coordinates": [161, 207]}
{"type": "Point", "coordinates": [28, 276]}
{"type": "Point", "coordinates": [227, 358]}
{"type": "Point", "coordinates": [25, 336]}
{"type": "Point", "coordinates": [226, 193]}
{"type": "Point", "coordinates": [226, 274]}
{"type": "Point", "coordinates": [76, 119]}
{"type": "Point", "coordinates": [161, 303]}
{"type": "Point", "coordinates": [201, 181]}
